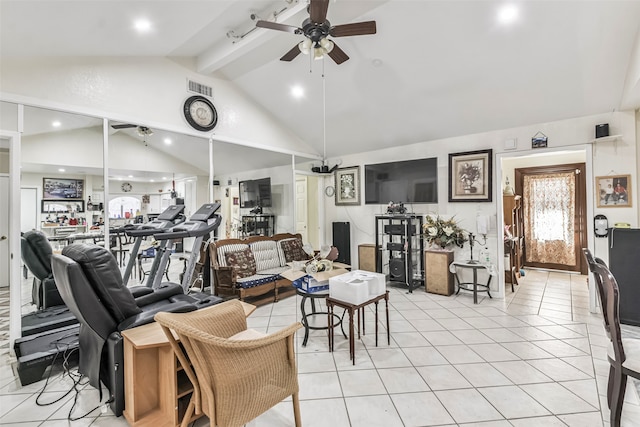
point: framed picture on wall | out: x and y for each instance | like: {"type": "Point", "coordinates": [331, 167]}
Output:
{"type": "Point", "coordinates": [347, 191]}
{"type": "Point", "coordinates": [470, 175]}
{"type": "Point", "coordinates": [613, 191]}
{"type": "Point", "coordinates": [62, 188]}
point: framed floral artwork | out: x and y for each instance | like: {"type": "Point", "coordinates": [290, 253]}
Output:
{"type": "Point", "coordinates": [347, 190]}
{"type": "Point", "coordinates": [614, 191]}
{"type": "Point", "coordinates": [470, 175]}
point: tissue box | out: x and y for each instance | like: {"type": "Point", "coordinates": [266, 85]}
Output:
{"type": "Point", "coordinates": [357, 286]}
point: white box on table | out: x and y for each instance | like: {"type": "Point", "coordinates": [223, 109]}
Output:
{"type": "Point", "coordinates": [357, 286]}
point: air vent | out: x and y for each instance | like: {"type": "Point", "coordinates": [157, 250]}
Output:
{"type": "Point", "coordinates": [199, 88]}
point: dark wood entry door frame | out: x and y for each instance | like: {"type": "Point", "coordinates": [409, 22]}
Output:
{"type": "Point", "coordinates": [580, 218]}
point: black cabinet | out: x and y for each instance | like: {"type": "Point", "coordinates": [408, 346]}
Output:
{"type": "Point", "coordinates": [399, 248]}
{"type": "Point", "coordinates": [624, 262]}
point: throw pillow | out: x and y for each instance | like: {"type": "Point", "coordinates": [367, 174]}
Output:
{"type": "Point", "coordinates": [242, 262]}
{"type": "Point", "coordinates": [293, 250]}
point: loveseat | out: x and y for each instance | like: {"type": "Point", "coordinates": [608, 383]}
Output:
{"type": "Point", "coordinates": [251, 267]}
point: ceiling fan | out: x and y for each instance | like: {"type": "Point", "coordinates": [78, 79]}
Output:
{"type": "Point", "coordinates": [316, 29]}
{"type": "Point", "coordinates": [142, 131]}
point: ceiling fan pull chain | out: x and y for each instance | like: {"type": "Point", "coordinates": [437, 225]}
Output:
{"type": "Point", "coordinates": [324, 117]}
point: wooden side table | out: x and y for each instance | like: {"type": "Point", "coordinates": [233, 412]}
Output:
{"type": "Point", "coordinates": [351, 309]}
{"type": "Point", "coordinates": [157, 389]}
{"type": "Point", "coordinates": [438, 278]}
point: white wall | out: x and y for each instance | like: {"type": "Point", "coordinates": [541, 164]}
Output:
{"type": "Point", "coordinates": [140, 90]}
{"type": "Point", "coordinates": [565, 133]}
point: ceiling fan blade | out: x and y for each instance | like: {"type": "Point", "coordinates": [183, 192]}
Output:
{"type": "Point", "coordinates": [279, 27]}
{"type": "Point", "coordinates": [338, 54]}
{"type": "Point", "coordinates": [355, 29]}
{"type": "Point", "coordinates": [289, 56]}
{"type": "Point", "coordinates": [318, 11]}
{"type": "Point", "coordinates": [124, 126]}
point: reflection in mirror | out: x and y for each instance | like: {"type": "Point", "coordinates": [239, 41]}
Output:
{"type": "Point", "coordinates": [8, 122]}
{"type": "Point", "coordinates": [235, 164]}
{"type": "Point", "coordinates": [62, 178]}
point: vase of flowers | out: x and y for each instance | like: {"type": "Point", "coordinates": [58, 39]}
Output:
{"type": "Point", "coordinates": [443, 233]}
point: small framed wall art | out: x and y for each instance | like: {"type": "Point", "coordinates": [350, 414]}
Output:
{"type": "Point", "coordinates": [347, 190]}
{"type": "Point", "coordinates": [614, 191]}
{"type": "Point", "coordinates": [470, 176]}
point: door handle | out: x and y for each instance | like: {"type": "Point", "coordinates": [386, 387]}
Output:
{"type": "Point", "coordinates": [3, 238]}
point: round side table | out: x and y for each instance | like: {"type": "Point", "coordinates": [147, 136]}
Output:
{"type": "Point", "coordinates": [304, 319]}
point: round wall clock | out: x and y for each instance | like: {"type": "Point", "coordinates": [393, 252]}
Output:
{"type": "Point", "coordinates": [126, 187]}
{"type": "Point", "coordinates": [200, 113]}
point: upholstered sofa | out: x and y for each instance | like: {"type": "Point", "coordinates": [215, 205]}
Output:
{"type": "Point", "coordinates": [251, 267]}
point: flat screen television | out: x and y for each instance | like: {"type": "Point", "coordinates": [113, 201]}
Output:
{"type": "Point", "coordinates": [255, 192]}
{"type": "Point", "coordinates": [409, 181]}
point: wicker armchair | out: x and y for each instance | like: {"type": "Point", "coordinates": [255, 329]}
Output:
{"type": "Point", "coordinates": [239, 373]}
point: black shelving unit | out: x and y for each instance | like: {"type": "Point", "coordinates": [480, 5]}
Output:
{"type": "Point", "coordinates": [400, 248]}
{"type": "Point", "coordinates": [258, 225]}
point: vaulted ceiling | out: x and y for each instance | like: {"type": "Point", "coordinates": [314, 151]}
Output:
{"type": "Point", "coordinates": [434, 69]}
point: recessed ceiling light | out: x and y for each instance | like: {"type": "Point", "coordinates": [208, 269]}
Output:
{"type": "Point", "coordinates": [164, 177]}
{"type": "Point", "coordinates": [130, 176]}
{"type": "Point", "coordinates": [61, 170]}
{"type": "Point", "coordinates": [142, 25]}
{"type": "Point", "coordinates": [507, 14]}
{"type": "Point", "coordinates": [56, 124]}
{"type": "Point", "coordinates": [152, 180]}
{"type": "Point", "coordinates": [167, 141]}
{"type": "Point", "coordinates": [297, 91]}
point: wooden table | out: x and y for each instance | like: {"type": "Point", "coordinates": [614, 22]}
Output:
{"type": "Point", "coordinates": [156, 389]}
{"type": "Point", "coordinates": [351, 309]}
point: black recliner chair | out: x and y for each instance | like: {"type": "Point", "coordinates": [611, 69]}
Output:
{"type": "Point", "coordinates": [90, 283]}
{"type": "Point", "coordinates": [36, 255]}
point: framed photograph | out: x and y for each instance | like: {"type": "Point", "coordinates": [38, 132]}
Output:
{"type": "Point", "coordinates": [62, 206]}
{"type": "Point", "coordinates": [614, 191]}
{"type": "Point", "coordinates": [347, 190]}
{"type": "Point", "coordinates": [470, 175]}
{"type": "Point", "coordinates": [62, 188]}
{"type": "Point", "coordinates": [539, 140]}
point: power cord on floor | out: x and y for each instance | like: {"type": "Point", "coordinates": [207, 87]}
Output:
{"type": "Point", "coordinates": [63, 348]}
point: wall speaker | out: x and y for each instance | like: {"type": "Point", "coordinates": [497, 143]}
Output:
{"type": "Point", "coordinates": [397, 269]}
{"type": "Point", "coordinates": [602, 130]}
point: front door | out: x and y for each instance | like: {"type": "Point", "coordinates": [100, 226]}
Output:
{"type": "Point", "coordinates": [554, 213]}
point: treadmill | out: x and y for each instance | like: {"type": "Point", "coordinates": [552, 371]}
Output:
{"type": "Point", "coordinates": [171, 216]}
{"type": "Point", "coordinates": [201, 224]}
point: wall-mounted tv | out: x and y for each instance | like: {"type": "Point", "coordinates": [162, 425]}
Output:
{"type": "Point", "coordinates": [409, 181]}
{"type": "Point", "coordinates": [255, 192]}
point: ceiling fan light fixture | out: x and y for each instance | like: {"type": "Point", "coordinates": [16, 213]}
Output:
{"type": "Point", "coordinates": [305, 46]}
{"type": "Point", "coordinates": [327, 45]}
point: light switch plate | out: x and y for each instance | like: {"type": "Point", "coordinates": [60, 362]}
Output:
{"type": "Point", "coordinates": [510, 144]}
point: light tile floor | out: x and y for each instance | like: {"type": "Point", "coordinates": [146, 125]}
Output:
{"type": "Point", "coordinates": [536, 358]}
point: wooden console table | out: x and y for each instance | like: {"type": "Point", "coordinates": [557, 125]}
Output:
{"type": "Point", "coordinates": [156, 388]}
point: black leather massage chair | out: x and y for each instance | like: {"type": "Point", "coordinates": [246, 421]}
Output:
{"type": "Point", "coordinates": [90, 283]}
{"type": "Point", "coordinates": [36, 255]}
